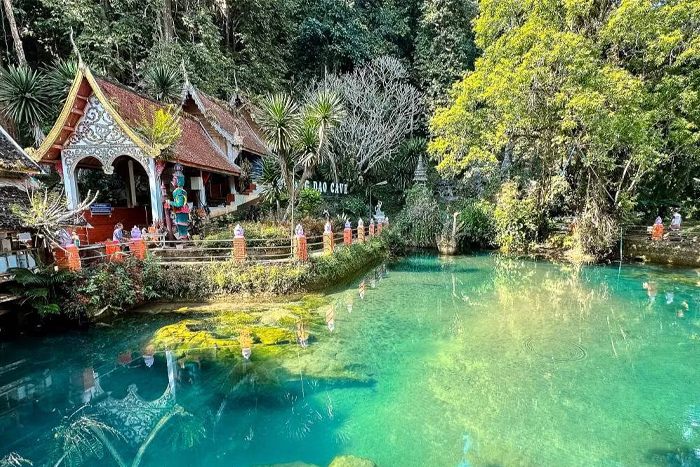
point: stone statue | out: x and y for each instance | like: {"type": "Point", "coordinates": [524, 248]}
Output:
{"type": "Point", "coordinates": [179, 205]}
{"type": "Point", "coordinates": [378, 214]}
{"type": "Point", "coordinates": [238, 231]}
{"type": "Point", "coordinates": [347, 224]}
{"type": "Point", "coordinates": [135, 233]}
{"type": "Point", "coordinates": [328, 228]}
{"type": "Point", "coordinates": [299, 230]}
{"type": "Point", "coordinates": [360, 224]}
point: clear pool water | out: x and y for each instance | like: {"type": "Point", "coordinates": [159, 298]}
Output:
{"type": "Point", "coordinates": [475, 361]}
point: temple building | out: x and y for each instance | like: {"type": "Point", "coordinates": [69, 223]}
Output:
{"type": "Point", "coordinates": [99, 131]}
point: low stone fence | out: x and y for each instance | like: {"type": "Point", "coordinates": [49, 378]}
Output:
{"type": "Point", "coordinates": [239, 248]}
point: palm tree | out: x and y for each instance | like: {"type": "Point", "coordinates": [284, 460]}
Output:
{"type": "Point", "coordinates": [60, 77]}
{"type": "Point", "coordinates": [24, 99]}
{"type": "Point", "coordinates": [271, 182]}
{"type": "Point", "coordinates": [163, 83]}
{"type": "Point", "coordinates": [299, 135]}
{"type": "Point", "coordinates": [82, 437]}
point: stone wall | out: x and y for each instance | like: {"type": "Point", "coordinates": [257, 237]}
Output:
{"type": "Point", "coordinates": [680, 253]}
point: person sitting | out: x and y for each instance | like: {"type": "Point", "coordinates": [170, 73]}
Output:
{"type": "Point", "coordinates": [657, 231]}
{"type": "Point", "coordinates": [676, 222]}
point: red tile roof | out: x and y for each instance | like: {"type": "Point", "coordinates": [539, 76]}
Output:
{"type": "Point", "coordinates": [233, 122]}
{"type": "Point", "coordinates": [194, 149]}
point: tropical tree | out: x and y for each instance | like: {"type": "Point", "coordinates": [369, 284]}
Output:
{"type": "Point", "coordinates": [382, 110]}
{"type": "Point", "coordinates": [24, 99]}
{"type": "Point", "coordinates": [573, 100]}
{"type": "Point", "coordinates": [48, 212]}
{"type": "Point", "coordinates": [162, 129]}
{"type": "Point", "coordinates": [298, 136]}
{"type": "Point", "coordinates": [60, 76]}
{"type": "Point", "coordinates": [445, 47]}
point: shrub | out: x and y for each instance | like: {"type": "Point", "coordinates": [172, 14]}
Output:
{"type": "Point", "coordinates": [422, 219]}
{"type": "Point", "coordinates": [309, 202]}
{"type": "Point", "coordinates": [476, 224]}
{"type": "Point", "coordinates": [515, 217]}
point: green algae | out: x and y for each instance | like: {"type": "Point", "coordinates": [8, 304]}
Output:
{"type": "Point", "coordinates": [351, 461]}
{"type": "Point", "coordinates": [214, 335]}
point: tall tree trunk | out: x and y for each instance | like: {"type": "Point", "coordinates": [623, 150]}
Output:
{"type": "Point", "coordinates": [19, 49]}
{"type": "Point", "coordinates": [167, 20]}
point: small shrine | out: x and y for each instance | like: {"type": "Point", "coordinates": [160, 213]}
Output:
{"type": "Point", "coordinates": [100, 130]}
{"type": "Point", "coordinates": [420, 176]}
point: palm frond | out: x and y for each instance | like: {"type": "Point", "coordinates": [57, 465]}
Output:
{"type": "Point", "coordinates": [278, 117]}
{"type": "Point", "coordinates": [60, 77]}
{"type": "Point", "coordinates": [163, 83]}
{"type": "Point", "coordinates": [24, 98]}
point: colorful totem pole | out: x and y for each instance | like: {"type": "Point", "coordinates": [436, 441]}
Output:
{"type": "Point", "coordinates": [178, 205]}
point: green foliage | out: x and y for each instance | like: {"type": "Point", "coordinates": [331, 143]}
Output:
{"type": "Point", "coordinates": [40, 288]}
{"type": "Point", "coordinates": [601, 96]}
{"type": "Point", "coordinates": [515, 219]}
{"type": "Point", "coordinates": [309, 202]}
{"type": "Point", "coordinates": [60, 77]}
{"type": "Point", "coordinates": [162, 128]}
{"type": "Point", "coordinates": [445, 47]}
{"type": "Point", "coordinates": [24, 98]}
{"type": "Point", "coordinates": [422, 219]}
{"type": "Point", "coordinates": [163, 83]}
{"type": "Point", "coordinates": [476, 224]}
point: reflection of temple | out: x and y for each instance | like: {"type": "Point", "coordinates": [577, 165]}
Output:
{"type": "Point", "coordinates": [98, 140]}
{"type": "Point", "coordinates": [33, 400]}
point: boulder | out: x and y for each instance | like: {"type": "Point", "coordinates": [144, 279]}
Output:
{"type": "Point", "coordinates": [351, 461]}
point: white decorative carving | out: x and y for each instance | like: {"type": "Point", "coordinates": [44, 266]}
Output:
{"type": "Point", "coordinates": [98, 135]}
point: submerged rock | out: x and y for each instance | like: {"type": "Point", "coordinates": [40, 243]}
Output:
{"type": "Point", "coordinates": [351, 461]}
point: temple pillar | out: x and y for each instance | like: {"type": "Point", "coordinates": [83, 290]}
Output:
{"type": "Point", "coordinates": [202, 191]}
{"type": "Point", "coordinates": [71, 186]}
{"type": "Point", "coordinates": [154, 188]}
{"type": "Point", "coordinates": [132, 185]}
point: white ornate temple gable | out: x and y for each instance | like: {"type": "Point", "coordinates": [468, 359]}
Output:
{"type": "Point", "coordinates": [98, 135]}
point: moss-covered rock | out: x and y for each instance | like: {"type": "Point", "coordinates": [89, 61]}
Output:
{"type": "Point", "coordinates": [351, 461]}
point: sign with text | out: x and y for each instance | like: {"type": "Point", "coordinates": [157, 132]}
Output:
{"type": "Point", "coordinates": [325, 187]}
{"type": "Point", "coordinates": [101, 209]}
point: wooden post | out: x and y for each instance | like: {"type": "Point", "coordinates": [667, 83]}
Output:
{"type": "Point", "coordinates": [371, 228]}
{"type": "Point", "coordinates": [138, 248]}
{"type": "Point", "coordinates": [347, 236]}
{"type": "Point", "coordinates": [379, 227]}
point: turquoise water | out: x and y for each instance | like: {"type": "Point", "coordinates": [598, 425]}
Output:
{"type": "Point", "coordinates": [475, 361]}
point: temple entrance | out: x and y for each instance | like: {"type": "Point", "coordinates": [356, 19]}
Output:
{"type": "Point", "coordinates": [125, 192]}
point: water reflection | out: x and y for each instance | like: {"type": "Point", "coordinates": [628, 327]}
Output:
{"type": "Point", "coordinates": [480, 362]}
